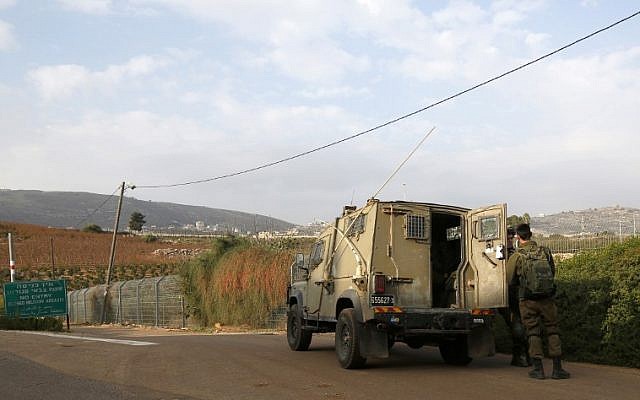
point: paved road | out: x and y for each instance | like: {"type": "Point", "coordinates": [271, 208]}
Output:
{"type": "Point", "coordinates": [150, 364]}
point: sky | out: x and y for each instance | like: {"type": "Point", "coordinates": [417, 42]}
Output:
{"type": "Point", "coordinates": [166, 92]}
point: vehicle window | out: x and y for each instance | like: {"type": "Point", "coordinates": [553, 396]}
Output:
{"type": "Point", "coordinates": [415, 226]}
{"type": "Point", "coordinates": [317, 254]}
{"type": "Point", "coordinates": [454, 233]}
{"type": "Point", "coordinates": [357, 226]}
{"type": "Point", "coordinates": [489, 228]}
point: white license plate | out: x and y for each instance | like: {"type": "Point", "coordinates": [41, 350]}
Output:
{"type": "Point", "coordinates": [381, 300]}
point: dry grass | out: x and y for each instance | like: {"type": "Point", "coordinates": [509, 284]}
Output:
{"type": "Point", "coordinates": [82, 258]}
{"type": "Point", "coordinates": [239, 283]}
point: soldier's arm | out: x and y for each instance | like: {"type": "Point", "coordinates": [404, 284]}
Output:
{"type": "Point", "coordinates": [551, 262]}
{"type": "Point", "coordinates": [512, 265]}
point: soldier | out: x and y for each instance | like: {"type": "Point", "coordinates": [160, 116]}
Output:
{"type": "Point", "coordinates": [534, 273]}
{"type": "Point", "coordinates": [511, 315]}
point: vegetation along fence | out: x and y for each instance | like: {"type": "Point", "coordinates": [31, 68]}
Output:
{"type": "Point", "coordinates": [150, 301]}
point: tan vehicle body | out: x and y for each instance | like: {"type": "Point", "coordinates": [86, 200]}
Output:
{"type": "Point", "coordinates": [418, 273]}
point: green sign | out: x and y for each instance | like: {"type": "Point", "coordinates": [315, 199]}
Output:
{"type": "Point", "coordinates": [35, 298]}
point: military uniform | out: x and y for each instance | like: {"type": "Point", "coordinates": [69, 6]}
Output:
{"type": "Point", "coordinates": [512, 317]}
{"type": "Point", "coordinates": [536, 310]}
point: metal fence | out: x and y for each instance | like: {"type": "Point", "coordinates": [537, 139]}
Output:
{"type": "Point", "coordinates": [150, 301]}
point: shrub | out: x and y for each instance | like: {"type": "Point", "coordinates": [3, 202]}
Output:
{"type": "Point", "coordinates": [150, 238]}
{"type": "Point", "coordinates": [599, 305]}
{"type": "Point", "coordinates": [32, 324]}
{"type": "Point", "coordinates": [92, 228]}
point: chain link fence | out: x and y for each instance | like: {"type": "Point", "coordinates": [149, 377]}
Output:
{"type": "Point", "coordinates": [150, 301]}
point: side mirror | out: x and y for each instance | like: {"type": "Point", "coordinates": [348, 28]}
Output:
{"type": "Point", "coordinates": [300, 261]}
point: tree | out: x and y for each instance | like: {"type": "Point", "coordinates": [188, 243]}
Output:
{"type": "Point", "coordinates": [92, 228]}
{"type": "Point", "coordinates": [136, 221]}
{"type": "Point", "coordinates": [514, 220]}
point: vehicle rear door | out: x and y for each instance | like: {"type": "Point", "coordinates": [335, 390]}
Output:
{"type": "Point", "coordinates": [483, 279]}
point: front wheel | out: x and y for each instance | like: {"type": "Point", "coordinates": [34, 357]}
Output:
{"type": "Point", "coordinates": [298, 338]}
{"type": "Point", "coordinates": [455, 351]}
{"type": "Point", "coordinates": [348, 341]}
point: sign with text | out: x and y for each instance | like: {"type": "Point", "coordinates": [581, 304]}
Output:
{"type": "Point", "coordinates": [35, 298]}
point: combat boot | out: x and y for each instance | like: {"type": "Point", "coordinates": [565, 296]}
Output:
{"type": "Point", "coordinates": [558, 372]}
{"type": "Point", "coordinates": [538, 371]}
{"type": "Point", "coordinates": [518, 359]}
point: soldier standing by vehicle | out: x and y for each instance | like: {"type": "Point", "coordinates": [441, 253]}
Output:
{"type": "Point", "coordinates": [519, 350]}
{"type": "Point", "coordinates": [534, 273]}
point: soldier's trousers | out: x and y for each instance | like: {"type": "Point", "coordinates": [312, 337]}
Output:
{"type": "Point", "coordinates": [535, 312]}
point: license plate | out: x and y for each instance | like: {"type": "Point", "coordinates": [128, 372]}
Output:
{"type": "Point", "coordinates": [381, 300]}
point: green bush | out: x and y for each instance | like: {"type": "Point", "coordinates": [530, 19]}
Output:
{"type": "Point", "coordinates": [31, 324]}
{"type": "Point", "coordinates": [92, 228]}
{"type": "Point", "coordinates": [599, 305]}
{"type": "Point", "coordinates": [150, 238]}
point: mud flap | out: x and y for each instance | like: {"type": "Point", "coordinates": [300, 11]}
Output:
{"type": "Point", "coordinates": [480, 342]}
{"type": "Point", "coordinates": [373, 343]}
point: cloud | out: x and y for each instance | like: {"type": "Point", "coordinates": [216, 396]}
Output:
{"type": "Point", "coordinates": [97, 7]}
{"type": "Point", "coordinates": [59, 81]}
{"type": "Point", "coordinates": [7, 3]}
{"type": "Point", "coordinates": [62, 81]}
{"type": "Point", "coordinates": [7, 39]}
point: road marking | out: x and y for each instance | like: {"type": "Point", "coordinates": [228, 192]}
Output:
{"type": "Point", "coordinates": [117, 341]}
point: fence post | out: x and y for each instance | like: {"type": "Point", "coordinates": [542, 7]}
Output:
{"type": "Point", "coordinates": [138, 300]}
{"type": "Point", "coordinates": [84, 304]}
{"type": "Point", "coordinates": [182, 309]}
{"type": "Point", "coordinates": [119, 312]}
{"type": "Point", "coordinates": [157, 287]}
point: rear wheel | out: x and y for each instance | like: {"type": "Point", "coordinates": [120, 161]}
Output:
{"type": "Point", "coordinates": [415, 342]}
{"type": "Point", "coordinates": [298, 338]}
{"type": "Point", "coordinates": [454, 351]}
{"type": "Point", "coordinates": [348, 341]}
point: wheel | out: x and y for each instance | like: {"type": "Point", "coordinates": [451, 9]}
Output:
{"type": "Point", "coordinates": [415, 342]}
{"type": "Point", "coordinates": [391, 340]}
{"type": "Point", "coordinates": [298, 338]}
{"type": "Point", "coordinates": [454, 351]}
{"type": "Point", "coordinates": [348, 341]}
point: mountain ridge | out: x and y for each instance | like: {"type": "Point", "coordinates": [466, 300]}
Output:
{"type": "Point", "coordinates": [79, 209]}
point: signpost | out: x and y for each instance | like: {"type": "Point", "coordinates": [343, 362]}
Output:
{"type": "Point", "coordinates": [35, 298]}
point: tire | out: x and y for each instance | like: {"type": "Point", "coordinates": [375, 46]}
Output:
{"type": "Point", "coordinates": [454, 351]}
{"type": "Point", "coordinates": [348, 341]}
{"type": "Point", "coordinates": [390, 341]}
{"type": "Point", "coordinates": [298, 338]}
{"type": "Point", "coordinates": [415, 342]}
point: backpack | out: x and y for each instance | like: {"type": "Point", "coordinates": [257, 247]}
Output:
{"type": "Point", "coordinates": [536, 279]}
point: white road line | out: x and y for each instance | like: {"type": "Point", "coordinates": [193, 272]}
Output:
{"type": "Point", "coordinates": [63, 336]}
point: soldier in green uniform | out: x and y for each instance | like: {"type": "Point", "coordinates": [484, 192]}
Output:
{"type": "Point", "coordinates": [511, 315]}
{"type": "Point", "coordinates": [534, 273]}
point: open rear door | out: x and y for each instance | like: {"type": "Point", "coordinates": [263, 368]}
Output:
{"type": "Point", "coordinates": [483, 278]}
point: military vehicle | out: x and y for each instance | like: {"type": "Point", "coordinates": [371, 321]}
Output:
{"type": "Point", "coordinates": [398, 271]}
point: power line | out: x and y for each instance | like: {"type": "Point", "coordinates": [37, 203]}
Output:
{"type": "Point", "coordinates": [99, 207]}
{"type": "Point", "coordinates": [395, 120]}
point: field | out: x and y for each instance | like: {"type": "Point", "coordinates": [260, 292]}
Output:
{"type": "Point", "coordinates": [82, 258]}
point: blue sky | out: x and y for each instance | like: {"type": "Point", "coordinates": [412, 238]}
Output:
{"type": "Point", "coordinates": [159, 92]}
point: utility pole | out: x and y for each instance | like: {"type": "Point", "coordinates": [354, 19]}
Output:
{"type": "Point", "coordinates": [12, 262]}
{"type": "Point", "coordinates": [53, 263]}
{"type": "Point", "coordinates": [112, 254]}
{"type": "Point", "coordinates": [620, 229]}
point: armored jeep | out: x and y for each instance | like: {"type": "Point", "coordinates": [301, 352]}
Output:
{"type": "Point", "coordinates": [398, 271]}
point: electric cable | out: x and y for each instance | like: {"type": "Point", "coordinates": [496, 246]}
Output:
{"type": "Point", "coordinates": [99, 207]}
{"type": "Point", "coordinates": [395, 120]}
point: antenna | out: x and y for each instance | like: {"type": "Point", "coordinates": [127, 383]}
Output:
{"type": "Point", "coordinates": [355, 217]}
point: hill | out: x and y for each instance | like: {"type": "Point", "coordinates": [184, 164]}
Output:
{"type": "Point", "coordinates": [613, 220]}
{"type": "Point", "coordinates": [79, 209]}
